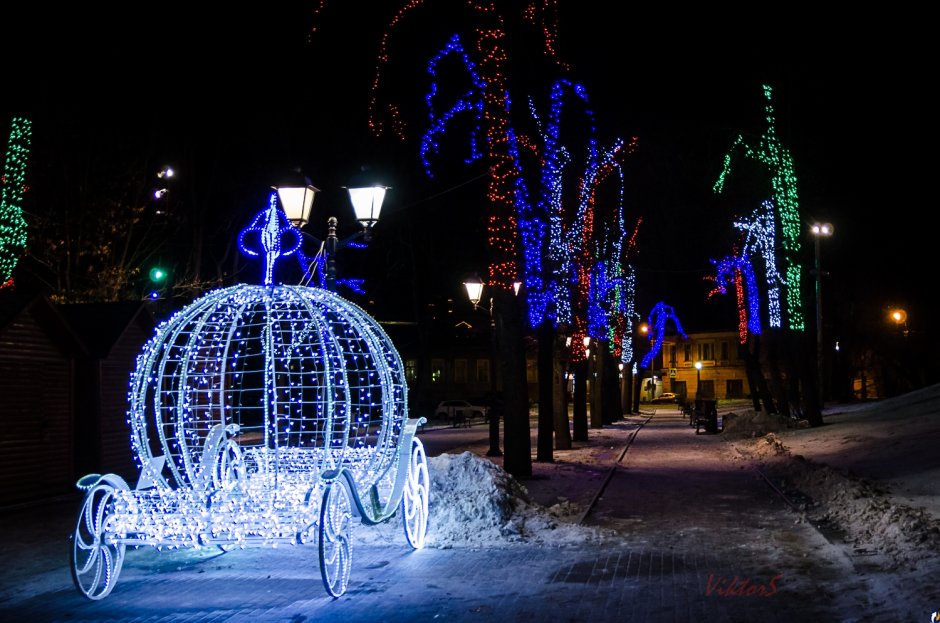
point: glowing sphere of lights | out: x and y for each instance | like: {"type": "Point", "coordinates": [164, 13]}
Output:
{"type": "Point", "coordinates": [260, 414]}
{"type": "Point", "coordinates": [301, 372]}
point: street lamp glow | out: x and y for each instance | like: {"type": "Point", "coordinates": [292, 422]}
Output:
{"type": "Point", "coordinates": [899, 316]}
{"type": "Point", "coordinates": [474, 290]}
{"type": "Point", "coordinates": [474, 287]}
{"type": "Point", "coordinates": [367, 204]}
{"type": "Point", "coordinates": [297, 201]}
{"type": "Point", "coordinates": [698, 379]}
{"type": "Point", "coordinates": [819, 230]}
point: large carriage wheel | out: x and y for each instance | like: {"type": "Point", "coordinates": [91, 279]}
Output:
{"type": "Point", "coordinates": [414, 499]}
{"type": "Point", "coordinates": [95, 560]}
{"type": "Point", "coordinates": [335, 520]}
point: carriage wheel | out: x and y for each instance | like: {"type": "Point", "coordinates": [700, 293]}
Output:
{"type": "Point", "coordinates": [95, 560]}
{"type": "Point", "coordinates": [414, 500]}
{"type": "Point", "coordinates": [230, 466]}
{"type": "Point", "coordinates": [335, 519]}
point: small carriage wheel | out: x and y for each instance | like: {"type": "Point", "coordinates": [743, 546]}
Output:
{"type": "Point", "coordinates": [335, 519]}
{"type": "Point", "coordinates": [230, 466]}
{"type": "Point", "coordinates": [414, 500]}
{"type": "Point", "coordinates": [94, 559]}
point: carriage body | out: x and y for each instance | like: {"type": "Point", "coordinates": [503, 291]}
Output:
{"type": "Point", "coordinates": [259, 415]}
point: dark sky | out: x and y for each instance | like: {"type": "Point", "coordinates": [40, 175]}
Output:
{"type": "Point", "coordinates": [211, 92]}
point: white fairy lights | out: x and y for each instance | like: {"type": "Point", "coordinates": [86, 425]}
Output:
{"type": "Point", "coordinates": [294, 368]}
{"type": "Point", "coordinates": [257, 413]}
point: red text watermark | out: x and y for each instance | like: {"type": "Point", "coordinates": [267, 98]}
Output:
{"type": "Point", "coordinates": [740, 587]}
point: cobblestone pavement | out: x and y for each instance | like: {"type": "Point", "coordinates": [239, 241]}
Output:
{"type": "Point", "coordinates": [700, 539]}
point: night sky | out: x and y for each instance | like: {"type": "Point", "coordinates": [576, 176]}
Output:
{"type": "Point", "coordinates": [210, 93]}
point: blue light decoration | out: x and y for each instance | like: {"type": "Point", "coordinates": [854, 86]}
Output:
{"type": "Point", "coordinates": [657, 323]}
{"type": "Point", "coordinates": [627, 350]}
{"type": "Point", "coordinates": [776, 158]}
{"type": "Point", "coordinates": [269, 227]}
{"type": "Point", "coordinates": [760, 240]}
{"type": "Point", "coordinates": [550, 295]}
{"type": "Point", "coordinates": [738, 270]}
{"type": "Point", "coordinates": [275, 237]}
{"type": "Point", "coordinates": [260, 415]}
{"type": "Point", "coordinates": [557, 253]}
{"type": "Point", "coordinates": [470, 102]}
{"type": "Point", "coordinates": [12, 188]}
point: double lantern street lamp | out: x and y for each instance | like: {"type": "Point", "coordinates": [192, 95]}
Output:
{"type": "Point", "coordinates": [297, 201]}
{"type": "Point", "coordinates": [819, 230]}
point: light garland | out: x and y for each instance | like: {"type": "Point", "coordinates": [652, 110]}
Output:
{"type": "Point", "coordinates": [270, 227]}
{"type": "Point", "coordinates": [542, 226]}
{"type": "Point", "coordinates": [12, 224]}
{"type": "Point", "coordinates": [292, 367]}
{"type": "Point", "coordinates": [569, 267]}
{"type": "Point", "coordinates": [760, 239]}
{"type": "Point", "coordinates": [256, 412]}
{"type": "Point", "coordinates": [385, 117]}
{"type": "Point", "coordinates": [741, 272]}
{"type": "Point", "coordinates": [657, 323]}
{"type": "Point", "coordinates": [770, 152]}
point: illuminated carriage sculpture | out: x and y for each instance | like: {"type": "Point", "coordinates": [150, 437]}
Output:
{"type": "Point", "coordinates": [260, 415]}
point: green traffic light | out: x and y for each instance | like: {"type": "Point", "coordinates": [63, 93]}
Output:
{"type": "Point", "coordinates": [157, 274]}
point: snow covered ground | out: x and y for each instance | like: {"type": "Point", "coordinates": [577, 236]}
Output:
{"type": "Point", "coordinates": [868, 479]}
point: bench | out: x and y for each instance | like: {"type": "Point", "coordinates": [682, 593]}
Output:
{"type": "Point", "coordinates": [704, 415]}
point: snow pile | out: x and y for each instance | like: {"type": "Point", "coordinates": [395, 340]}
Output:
{"type": "Point", "coordinates": [903, 534]}
{"type": "Point", "coordinates": [861, 510]}
{"type": "Point", "coordinates": [475, 503]}
{"type": "Point", "coordinates": [757, 423]}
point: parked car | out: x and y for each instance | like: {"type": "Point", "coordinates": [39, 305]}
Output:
{"type": "Point", "coordinates": [460, 412]}
{"type": "Point", "coordinates": [664, 397]}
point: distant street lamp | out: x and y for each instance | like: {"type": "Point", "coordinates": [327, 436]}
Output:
{"type": "Point", "coordinates": [296, 196]}
{"type": "Point", "coordinates": [819, 230]}
{"type": "Point", "coordinates": [899, 317]}
{"type": "Point", "coordinates": [474, 288]}
{"type": "Point", "coordinates": [698, 380]}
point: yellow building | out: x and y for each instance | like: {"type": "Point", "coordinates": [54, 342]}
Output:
{"type": "Point", "coordinates": [720, 376]}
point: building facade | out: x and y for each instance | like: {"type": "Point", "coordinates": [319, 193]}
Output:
{"type": "Point", "coordinates": [720, 376]}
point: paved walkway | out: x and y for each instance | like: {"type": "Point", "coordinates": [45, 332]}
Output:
{"type": "Point", "coordinates": [703, 540]}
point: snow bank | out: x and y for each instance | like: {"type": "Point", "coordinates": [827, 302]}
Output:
{"type": "Point", "coordinates": [475, 503]}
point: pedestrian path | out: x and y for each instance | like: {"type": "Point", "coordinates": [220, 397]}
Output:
{"type": "Point", "coordinates": [699, 541]}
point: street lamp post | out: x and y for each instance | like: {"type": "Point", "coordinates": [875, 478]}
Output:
{"type": "Point", "coordinates": [579, 394]}
{"type": "Point", "coordinates": [698, 380]}
{"type": "Point", "coordinates": [296, 196]}
{"type": "Point", "coordinates": [899, 317]}
{"type": "Point", "coordinates": [819, 230]}
{"type": "Point", "coordinates": [474, 288]}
